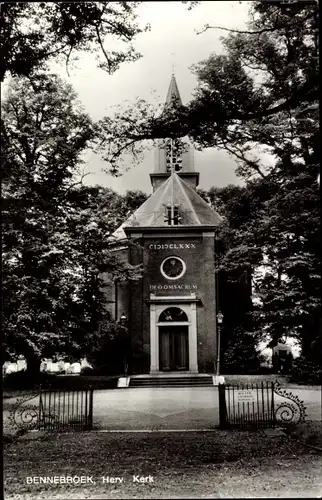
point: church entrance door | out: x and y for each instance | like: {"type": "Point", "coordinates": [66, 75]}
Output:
{"type": "Point", "coordinates": [173, 348]}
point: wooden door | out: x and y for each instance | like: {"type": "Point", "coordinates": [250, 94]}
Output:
{"type": "Point", "coordinates": [174, 354]}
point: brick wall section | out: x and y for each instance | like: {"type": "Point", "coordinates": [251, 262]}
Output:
{"type": "Point", "coordinates": [206, 313]}
{"type": "Point", "coordinates": [188, 249]}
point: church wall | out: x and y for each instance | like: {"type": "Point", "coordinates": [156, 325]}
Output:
{"type": "Point", "coordinates": [138, 310]}
{"type": "Point", "coordinates": [157, 182]}
{"type": "Point", "coordinates": [198, 254]}
{"type": "Point", "coordinates": [189, 250]}
{"type": "Point", "coordinates": [122, 300]}
{"type": "Point", "coordinates": [190, 180]}
{"type": "Point", "coordinates": [109, 293]}
{"type": "Point", "coordinates": [116, 294]}
{"type": "Point", "coordinates": [159, 160]}
{"type": "Point", "coordinates": [206, 312]}
{"type": "Point", "coordinates": [188, 160]}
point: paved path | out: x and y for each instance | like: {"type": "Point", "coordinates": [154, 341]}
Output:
{"type": "Point", "coordinates": [156, 408]}
{"type": "Point", "coordinates": [164, 408]}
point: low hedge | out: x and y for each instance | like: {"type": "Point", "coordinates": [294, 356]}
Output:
{"type": "Point", "coordinates": [23, 381]}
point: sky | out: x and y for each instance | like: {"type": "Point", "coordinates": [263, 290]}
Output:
{"type": "Point", "coordinates": [172, 41]}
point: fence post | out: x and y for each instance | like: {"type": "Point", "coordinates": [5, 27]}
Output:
{"type": "Point", "coordinates": [273, 405]}
{"type": "Point", "coordinates": [222, 406]}
{"type": "Point", "coordinates": [90, 413]}
{"type": "Point", "coordinates": [41, 409]}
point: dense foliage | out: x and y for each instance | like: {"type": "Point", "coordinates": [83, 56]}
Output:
{"type": "Point", "coordinates": [306, 371]}
{"type": "Point", "coordinates": [55, 230]}
{"type": "Point", "coordinates": [34, 32]}
{"type": "Point", "coordinates": [240, 355]}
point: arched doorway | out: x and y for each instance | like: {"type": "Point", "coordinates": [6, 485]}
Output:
{"type": "Point", "coordinates": [173, 340]}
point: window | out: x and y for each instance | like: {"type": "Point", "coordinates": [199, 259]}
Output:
{"type": "Point", "coordinates": [172, 314]}
{"type": "Point", "coordinates": [177, 150]}
{"type": "Point", "coordinates": [177, 164]}
{"type": "Point", "coordinates": [176, 215]}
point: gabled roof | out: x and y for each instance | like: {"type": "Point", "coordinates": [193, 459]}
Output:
{"type": "Point", "coordinates": [193, 210]}
{"type": "Point", "coordinates": [173, 92]}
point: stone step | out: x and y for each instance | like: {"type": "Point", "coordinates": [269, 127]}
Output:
{"type": "Point", "coordinates": [171, 382]}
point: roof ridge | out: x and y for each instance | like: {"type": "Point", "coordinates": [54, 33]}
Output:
{"type": "Point", "coordinates": [179, 180]}
{"type": "Point", "coordinates": [159, 204]}
{"type": "Point", "coordinates": [186, 185]}
{"type": "Point", "coordinates": [195, 210]}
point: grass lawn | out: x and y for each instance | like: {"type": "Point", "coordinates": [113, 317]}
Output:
{"type": "Point", "coordinates": [309, 432]}
{"type": "Point", "coordinates": [220, 464]}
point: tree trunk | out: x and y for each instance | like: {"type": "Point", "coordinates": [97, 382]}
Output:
{"type": "Point", "coordinates": [33, 365]}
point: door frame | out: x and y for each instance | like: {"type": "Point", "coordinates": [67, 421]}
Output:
{"type": "Point", "coordinates": [188, 303]}
{"type": "Point", "coordinates": [170, 329]}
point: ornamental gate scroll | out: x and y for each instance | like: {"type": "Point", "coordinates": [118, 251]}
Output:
{"type": "Point", "coordinates": [24, 415]}
{"type": "Point", "coordinates": [289, 409]}
{"type": "Point", "coordinates": [258, 406]}
{"type": "Point", "coordinates": [53, 410]}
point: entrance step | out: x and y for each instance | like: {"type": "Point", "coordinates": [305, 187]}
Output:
{"type": "Point", "coordinates": [171, 381]}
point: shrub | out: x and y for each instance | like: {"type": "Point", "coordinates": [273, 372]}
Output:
{"type": "Point", "coordinates": [240, 356]}
{"type": "Point", "coordinates": [306, 372]}
{"type": "Point", "coordinates": [26, 380]}
{"type": "Point", "coordinates": [19, 381]}
{"type": "Point", "coordinates": [266, 370]}
{"type": "Point", "coordinates": [96, 371]}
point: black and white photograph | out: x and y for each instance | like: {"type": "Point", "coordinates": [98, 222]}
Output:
{"type": "Point", "coordinates": [161, 250]}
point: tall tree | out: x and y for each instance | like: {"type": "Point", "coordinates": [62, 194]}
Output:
{"type": "Point", "coordinates": [54, 241]}
{"type": "Point", "coordinates": [33, 33]}
{"type": "Point", "coordinates": [45, 133]}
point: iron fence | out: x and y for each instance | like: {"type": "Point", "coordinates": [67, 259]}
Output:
{"type": "Point", "coordinates": [258, 406]}
{"type": "Point", "coordinates": [247, 405]}
{"type": "Point", "coordinates": [61, 410]}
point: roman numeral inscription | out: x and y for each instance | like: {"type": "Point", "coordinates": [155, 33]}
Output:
{"type": "Point", "coordinates": [172, 246]}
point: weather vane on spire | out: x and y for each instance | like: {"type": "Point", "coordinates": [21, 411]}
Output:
{"type": "Point", "coordinates": [173, 65]}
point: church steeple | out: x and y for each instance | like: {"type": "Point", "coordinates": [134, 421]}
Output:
{"type": "Point", "coordinates": [173, 94]}
{"type": "Point", "coordinates": [177, 151]}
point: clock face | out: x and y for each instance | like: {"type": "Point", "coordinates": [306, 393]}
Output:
{"type": "Point", "coordinates": [173, 268]}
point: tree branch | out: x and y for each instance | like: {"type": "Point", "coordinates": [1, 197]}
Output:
{"type": "Point", "coordinates": [119, 151]}
{"type": "Point", "coordinates": [242, 32]}
{"type": "Point", "coordinates": [67, 60]}
{"type": "Point", "coordinates": [102, 47]}
{"type": "Point", "coordinates": [241, 156]}
{"type": "Point", "coordinates": [257, 32]}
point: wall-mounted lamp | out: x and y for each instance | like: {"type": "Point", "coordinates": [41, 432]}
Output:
{"type": "Point", "coordinates": [123, 319]}
{"type": "Point", "coordinates": [220, 318]}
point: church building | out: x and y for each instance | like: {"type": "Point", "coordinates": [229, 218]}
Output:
{"type": "Point", "coordinates": [171, 311]}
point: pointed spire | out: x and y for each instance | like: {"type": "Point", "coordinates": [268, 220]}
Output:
{"type": "Point", "coordinates": [173, 92]}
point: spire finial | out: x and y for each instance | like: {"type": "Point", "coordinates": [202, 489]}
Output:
{"type": "Point", "coordinates": [173, 64]}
